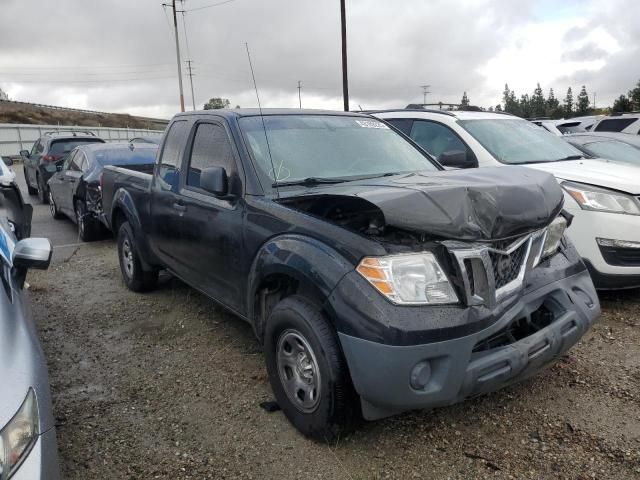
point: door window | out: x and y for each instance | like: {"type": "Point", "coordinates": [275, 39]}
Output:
{"type": "Point", "coordinates": [172, 153]}
{"type": "Point", "coordinates": [211, 148]}
{"type": "Point", "coordinates": [76, 162]}
{"type": "Point", "coordinates": [37, 148]}
{"type": "Point", "coordinates": [436, 138]}
{"type": "Point", "coordinates": [402, 124]}
{"type": "Point", "coordinates": [614, 124]}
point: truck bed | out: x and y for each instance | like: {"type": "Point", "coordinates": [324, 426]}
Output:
{"type": "Point", "coordinates": [135, 179]}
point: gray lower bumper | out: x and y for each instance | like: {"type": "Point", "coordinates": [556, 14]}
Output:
{"type": "Point", "coordinates": [451, 371]}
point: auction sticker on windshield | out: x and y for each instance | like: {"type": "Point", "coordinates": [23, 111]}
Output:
{"type": "Point", "coordinates": [371, 124]}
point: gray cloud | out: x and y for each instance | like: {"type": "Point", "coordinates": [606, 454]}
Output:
{"type": "Point", "coordinates": [586, 53]}
{"type": "Point", "coordinates": [118, 55]}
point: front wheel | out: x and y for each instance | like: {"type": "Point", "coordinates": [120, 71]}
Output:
{"type": "Point", "coordinates": [30, 189]}
{"type": "Point", "coordinates": [307, 370]}
{"type": "Point", "coordinates": [136, 279]}
{"type": "Point", "coordinates": [43, 195]}
{"type": "Point", "coordinates": [53, 208]}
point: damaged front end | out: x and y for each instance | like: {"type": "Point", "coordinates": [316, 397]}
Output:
{"type": "Point", "coordinates": [478, 288]}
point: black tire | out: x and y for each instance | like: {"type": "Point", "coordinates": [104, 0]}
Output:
{"type": "Point", "coordinates": [136, 279]}
{"type": "Point", "coordinates": [43, 194]}
{"type": "Point", "coordinates": [335, 410]}
{"type": "Point", "coordinates": [30, 189]}
{"type": "Point", "coordinates": [87, 226]}
{"type": "Point", "coordinates": [53, 208]}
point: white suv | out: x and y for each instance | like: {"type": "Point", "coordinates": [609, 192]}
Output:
{"type": "Point", "coordinates": [602, 195]}
{"type": "Point", "coordinates": [622, 122]}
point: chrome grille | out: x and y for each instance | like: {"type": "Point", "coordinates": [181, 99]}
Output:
{"type": "Point", "coordinates": [507, 266]}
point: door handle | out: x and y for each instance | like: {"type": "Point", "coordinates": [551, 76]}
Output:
{"type": "Point", "coordinates": [181, 207]}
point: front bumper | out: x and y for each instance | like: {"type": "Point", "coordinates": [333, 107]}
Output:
{"type": "Point", "coordinates": [42, 460]}
{"type": "Point", "coordinates": [382, 374]}
{"type": "Point", "coordinates": [586, 227]}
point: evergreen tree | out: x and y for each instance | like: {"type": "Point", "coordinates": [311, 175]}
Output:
{"type": "Point", "coordinates": [582, 106]}
{"type": "Point", "coordinates": [506, 96]}
{"type": "Point", "coordinates": [216, 103]}
{"type": "Point", "coordinates": [525, 106]}
{"type": "Point", "coordinates": [634, 96]}
{"type": "Point", "coordinates": [465, 100]}
{"type": "Point", "coordinates": [552, 106]}
{"type": "Point", "coordinates": [537, 103]}
{"type": "Point", "coordinates": [622, 104]}
{"type": "Point", "coordinates": [568, 104]}
{"type": "Point", "coordinates": [498, 108]}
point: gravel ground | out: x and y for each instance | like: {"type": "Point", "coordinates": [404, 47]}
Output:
{"type": "Point", "coordinates": [168, 385]}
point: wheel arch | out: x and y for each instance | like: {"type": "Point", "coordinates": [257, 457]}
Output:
{"type": "Point", "coordinates": [292, 265]}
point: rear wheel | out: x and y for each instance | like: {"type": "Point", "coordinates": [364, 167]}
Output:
{"type": "Point", "coordinates": [307, 370]}
{"type": "Point", "coordinates": [134, 276]}
{"type": "Point", "coordinates": [53, 208]}
{"type": "Point", "coordinates": [30, 189]}
{"type": "Point", "coordinates": [43, 194]}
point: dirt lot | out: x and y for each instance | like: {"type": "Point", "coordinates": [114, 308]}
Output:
{"type": "Point", "coordinates": [167, 385]}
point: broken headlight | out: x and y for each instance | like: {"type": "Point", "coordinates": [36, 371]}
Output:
{"type": "Point", "coordinates": [601, 199]}
{"type": "Point", "coordinates": [553, 236]}
{"type": "Point", "coordinates": [18, 436]}
{"type": "Point", "coordinates": [412, 279]}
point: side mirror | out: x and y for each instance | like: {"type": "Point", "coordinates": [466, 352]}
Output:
{"type": "Point", "coordinates": [32, 253]}
{"type": "Point", "coordinates": [25, 153]}
{"type": "Point", "coordinates": [7, 161]}
{"type": "Point", "coordinates": [58, 167]}
{"type": "Point", "coordinates": [214, 180]}
{"type": "Point", "coordinates": [457, 159]}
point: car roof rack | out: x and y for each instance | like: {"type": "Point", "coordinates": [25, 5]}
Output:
{"type": "Point", "coordinates": [69, 130]}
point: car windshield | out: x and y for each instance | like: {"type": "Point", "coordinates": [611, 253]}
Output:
{"type": "Point", "coordinates": [62, 147]}
{"type": "Point", "coordinates": [126, 156]}
{"type": "Point", "coordinates": [614, 150]}
{"type": "Point", "coordinates": [327, 147]}
{"type": "Point", "coordinates": [516, 141]}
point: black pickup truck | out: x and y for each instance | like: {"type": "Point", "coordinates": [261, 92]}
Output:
{"type": "Point", "coordinates": [375, 281]}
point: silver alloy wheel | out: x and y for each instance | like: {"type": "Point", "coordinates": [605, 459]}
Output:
{"type": "Point", "coordinates": [298, 369]}
{"type": "Point", "coordinates": [127, 258]}
{"type": "Point", "coordinates": [52, 204]}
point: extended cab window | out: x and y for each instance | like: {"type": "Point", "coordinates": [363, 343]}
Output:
{"type": "Point", "coordinates": [172, 152]}
{"type": "Point", "coordinates": [436, 138]}
{"type": "Point", "coordinates": [211, 148]}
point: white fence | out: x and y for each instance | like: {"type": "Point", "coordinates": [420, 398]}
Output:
{"type": "Point", "coordinates": [16, 137]}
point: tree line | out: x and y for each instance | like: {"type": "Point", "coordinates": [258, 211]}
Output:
{"type": "Point", "coordinates": [537, 105]}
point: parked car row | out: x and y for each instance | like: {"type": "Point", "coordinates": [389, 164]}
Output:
{"type": "Point", "coordinates": [377, 280]}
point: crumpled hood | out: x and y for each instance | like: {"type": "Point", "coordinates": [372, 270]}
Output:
{"type": "Point", "coordinates": [469, 205]}
{"type": "Point", "coordinates": [600, 172]}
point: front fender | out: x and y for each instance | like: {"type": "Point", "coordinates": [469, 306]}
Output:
{"type": "Point", "coordinates": [312, 263]}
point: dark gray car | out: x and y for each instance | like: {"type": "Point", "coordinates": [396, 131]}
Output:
{"type": "Point", "coordinates": [28, 447]}
{"type": "Point", "coordinates": [40, 162]}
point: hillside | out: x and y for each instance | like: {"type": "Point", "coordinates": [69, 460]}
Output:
{"type": "Point", "coordinates": [29, 113]}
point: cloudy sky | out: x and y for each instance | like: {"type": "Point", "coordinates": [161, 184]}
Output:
{"type": "Point", "coordinates": [119, 55]}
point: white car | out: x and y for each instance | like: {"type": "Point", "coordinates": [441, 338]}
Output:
{"type": "Point", "coordinates": [620, 122]}
{"type": "Point", "coordinates": [603, 196]}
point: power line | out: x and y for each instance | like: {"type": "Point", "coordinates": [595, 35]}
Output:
{"type": "Point", "coordinates": [46, 81]}
{"type": "Point", "coordinates": [209, 6]}
{"type": "Point", "coordinates": [193, 97]}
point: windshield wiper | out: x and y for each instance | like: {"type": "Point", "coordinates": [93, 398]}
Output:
{"type": "Point", "coordinates": [308, 182]}
{"type": "Point", "coordinates": [568, 157]}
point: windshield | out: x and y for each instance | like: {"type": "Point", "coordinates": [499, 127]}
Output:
{"type": "Point", "coordinates": [62, 147]}
{"type": "Point", "coordinates": [516, 141]}
{"type": "Point", "coordinates": [126, 156]}
{"type": "Point", "coordinates": [328, 147]}
{"type": "Point", "coordinates": [613, 150]}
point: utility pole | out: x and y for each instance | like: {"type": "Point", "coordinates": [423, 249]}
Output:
{"type": "Point", "coordinates": [175, 27]}
{"type": "Point", "coordinates": [425, 90]}
{"type": "Point", "coordinates": [193, 97]}
{"type": "Point", "coordinates": [345, 78]}
{"type": "Point", "coordinates": [299, 93]}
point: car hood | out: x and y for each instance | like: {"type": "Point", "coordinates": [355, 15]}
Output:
{"type": "Point", "coordinates": [469, 205]}
{"type": "Point", "coordinates": [599, 172]}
